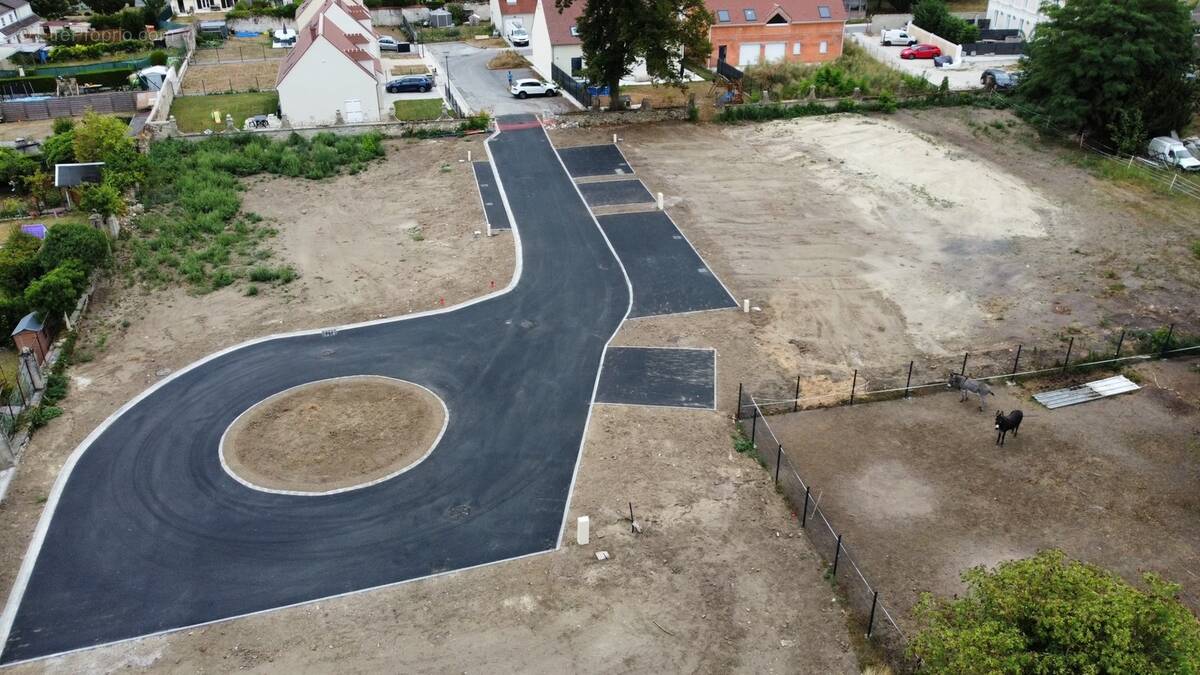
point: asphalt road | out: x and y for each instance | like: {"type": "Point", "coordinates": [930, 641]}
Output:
{"type": "Point", "coordinates": [150, 534]}
{"type": "Point", "coordinates": [488, 89]}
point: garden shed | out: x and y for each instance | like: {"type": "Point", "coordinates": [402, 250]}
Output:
{"type": "Point", "coordinates": [31, 332]}
{"type": "Point", "coordinates": [440, 18]}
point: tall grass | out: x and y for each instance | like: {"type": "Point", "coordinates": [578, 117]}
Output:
{"type": "Point", "coordinates": [854, 69]}
{"type": "Point", "coordinates": [194, 230]}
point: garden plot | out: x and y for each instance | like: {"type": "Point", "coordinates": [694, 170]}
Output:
{"type": "Point", "coordinates": [920, 491]}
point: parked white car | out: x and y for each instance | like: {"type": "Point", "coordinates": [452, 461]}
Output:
{"type": "Point", "coordinates": [530, 87]}
{"type": "Point", "coordinates": [516, 34]}
{"type": "Point", "coordinates": [387, 43]}
{"type": "Point", "coordinates": [1172, 152]}
{"type": "Point", "coordinates": [896, 37]}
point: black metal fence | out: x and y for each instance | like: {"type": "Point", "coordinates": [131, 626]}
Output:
{"type": "Point", "coordinates": [1059, 356]}
{"type": "Point", "coordinates": [728, 72]}
{"type": "Point", "coordinates": [996, 48]}
{"type": "Point", "coordinates": [452, 100]}
{"type": "Point", "coordinates": [408, 29]}
{"type": "Point", "coordinates": [572, 86]}
{"type": "Point", "coordinates": [865, 600]}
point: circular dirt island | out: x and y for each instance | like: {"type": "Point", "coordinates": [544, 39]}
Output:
{"type": "Point", "coordinates": [333, 434]}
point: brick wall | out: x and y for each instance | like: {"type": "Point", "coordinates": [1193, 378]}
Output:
{"type": "Point", "coordinates": [808, 35]}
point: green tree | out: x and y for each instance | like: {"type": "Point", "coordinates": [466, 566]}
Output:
{"type": "Point", "coordinates": [14, 166]}
{"type": "Point", "coordinates": [616, 34]}
{"type": "Point", "coordinates": [1095, 58]}
{"type": "Point", "coordinates": [104, 138]}
{"type": "Point", "coordinates": [106, 6]}
{"type": "Point", "coordinates": [74, 241]}
{"type": "Point", "coordinates": [935, 17]}
{"type": "Point", "coordinates": [150, 11]}
{"type": "Point", "coordinates": [62, 125]}
{"type": "Point", "coordinates": [52, 9]}
{"type": "Point", "coordinates": [1048, 614]}
{"type": "Point", "coordinates": [103, 199]}
{"type": "Point", "coordinates": [55, 293]}
{"type": "Point", "coordinates": [19, 262]}
{"type": "Point", "coordinates": [58, 149]}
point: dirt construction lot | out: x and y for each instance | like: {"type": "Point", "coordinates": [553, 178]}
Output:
{"type": "Point", "coordinates": [921, 492]}
{"type": "Point", "coordinates": [870, 241]}
{"type": "Point", "coordinates": [720, 581]}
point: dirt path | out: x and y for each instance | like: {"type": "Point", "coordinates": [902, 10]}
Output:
{"type": "Point", "coordinates": [334, 434]}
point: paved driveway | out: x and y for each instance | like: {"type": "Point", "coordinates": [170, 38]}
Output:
{"type": "Point", "coordinates": [488, 89]}
{"type": "Point", "coordinates": [963, 78]}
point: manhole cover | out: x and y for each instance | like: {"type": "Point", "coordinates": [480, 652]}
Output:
{"type": "Point", "coordinates": [526, 324]}
{"type": "Point", "coordinates": [326, 353]}
{"type": "Point", "coordinates": [458, 512]}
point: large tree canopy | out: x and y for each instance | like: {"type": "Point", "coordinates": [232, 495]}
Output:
{"type": "Point", "coordinates": [1048, 614]}
{"type": "Point", "coordinates": [616, 34]}
{"type": "Point", "coordinates": [1096, 58]}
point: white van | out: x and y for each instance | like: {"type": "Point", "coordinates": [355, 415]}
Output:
{"type": "Point", "coordinates": [1172, 152]}
{"type": "Point", "coordinates": [516, 33]}
{"type": "Point", "coordinates": [896, 37]}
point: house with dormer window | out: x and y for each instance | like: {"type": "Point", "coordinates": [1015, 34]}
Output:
{"type": "Point", "coordinates": [752, 32]}
{"type": "Point", "coordinates": [333, 74]}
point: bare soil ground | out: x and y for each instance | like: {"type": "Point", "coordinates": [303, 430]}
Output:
{"type": "Point", "coordinates": [868, 242]}
{"type": "Point", "coordinates": [236, 76]}
{"type": "Point", "coordinates": [334, 434]}
{"type": "Point", "coordinates": [921, 492]}
{"type": "Point", "coordinates": [720, 581]}
{"type": "Point", "coordinates": [36, 129]}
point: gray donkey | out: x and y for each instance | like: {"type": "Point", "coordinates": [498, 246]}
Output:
{"type": "Point", "coordinates": [968, 386]}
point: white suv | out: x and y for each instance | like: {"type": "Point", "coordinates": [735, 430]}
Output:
{"type": "Point", "coordinates": [531, 87]}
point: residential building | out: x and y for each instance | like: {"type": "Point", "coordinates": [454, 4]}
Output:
{"type": "Point", "coordinates": [750, 32]}
{"type": "Point", "coordinates": [554, 40]}
{"type": "Point", "coordinates": [1022, 15]}
{"type": "Point", "coordinates": [504, 11]}
{"type": "Point", "coordinates": [349, 15]}
{"type": "Point", "coordinates": [18, 23]}
{"type": "Point", "coordinates": [193, 6]}
{"type": "Point", "coordinates": [331, 75]}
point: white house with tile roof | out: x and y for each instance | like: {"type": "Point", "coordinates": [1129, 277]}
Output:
{"type": "Point", "coordinates": [333, 73]}
{"type": "Point", "coordinates": [18, 23]}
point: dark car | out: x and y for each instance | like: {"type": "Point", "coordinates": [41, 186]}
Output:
{"type": "Point", "coordinates": [994, 79]}
{"type": "Point", "coordinates": [410, 83]}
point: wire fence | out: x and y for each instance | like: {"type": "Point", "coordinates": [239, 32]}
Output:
{"type": "Point", "coordinates": [865, 601]}
{"type": "Point", "coordinates": [1158, 172]}
{"type": "Point", "coordinates": [1064, 355]}
{"type": "Point", "coordinates": [449, 93]}
{"type": "Point", "coordinates": [235, 54]}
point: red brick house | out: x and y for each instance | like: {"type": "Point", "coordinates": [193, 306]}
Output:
{"type": "Point", "coordinates": [751, 32]}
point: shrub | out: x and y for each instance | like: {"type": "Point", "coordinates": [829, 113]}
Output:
{"type": "Point", "coordinates": [74, 241]}
{"type": "Point", "coordinates": [19, 263]}
{"type": "Point", "coordinates": [158, 58]}
{"type": "Point", "coordinates": [42, 415]}
{"type": "Point", "coordinates": [63, 125]}
{"type": "Point", "coordinates": [102, 199]}
{"type": "Point", "coordinates": [56, 389]}
{"type": "Point", "coordinates": [55, 292]}
{"type": "Point", "coordinates": [1048, 614]}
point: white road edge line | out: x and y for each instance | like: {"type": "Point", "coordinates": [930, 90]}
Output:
{"type": "Point", "coordinates": [359, 486]}
{"type": "Point", "coordinates": [603, 354]}
{"type": "Point", "coordinates": [39, 535]}
{"type": "Point", "coordinates": [479, 189]}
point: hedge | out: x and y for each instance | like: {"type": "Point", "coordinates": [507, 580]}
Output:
{"type": "Point", "coordinates": [45, 84]}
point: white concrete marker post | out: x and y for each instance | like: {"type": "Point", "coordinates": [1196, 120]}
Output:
{"type": "Point", "coordinates": [468, 155]}
{"type": "Point", "coordinates": [583, 528]}
{"type": "Point", "coordinates": [660, 201]}
{"type": "Point", "coordinates": [614, 139]}
{"type": "Point", "coordinates": [746, 305]}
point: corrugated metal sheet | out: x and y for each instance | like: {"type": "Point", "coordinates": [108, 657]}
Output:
{"type": "Point", "coordinates": [1083, 393]}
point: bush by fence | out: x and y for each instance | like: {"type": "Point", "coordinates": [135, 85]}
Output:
{"type": "Point", "coordinates": [47, 84]}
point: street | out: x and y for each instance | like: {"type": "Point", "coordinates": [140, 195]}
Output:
{"type": "Point", "coordinates": [488, 89]}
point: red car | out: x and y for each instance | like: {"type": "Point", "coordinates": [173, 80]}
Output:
{"type": "Point", "coordinates": [921, 52]}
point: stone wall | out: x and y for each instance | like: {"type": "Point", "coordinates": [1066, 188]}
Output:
{"type": "Point", "coordinates": [593, 118]}
{"type": "Point", "coordinates": [159, 131]}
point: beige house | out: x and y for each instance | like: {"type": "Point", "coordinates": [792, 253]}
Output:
{"type": "Point", "coordinates": [333, 75]}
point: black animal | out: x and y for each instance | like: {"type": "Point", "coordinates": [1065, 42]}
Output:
{"type": "Point", "coordinates": [1004, 424]}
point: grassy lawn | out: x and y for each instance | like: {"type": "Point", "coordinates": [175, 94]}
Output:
{"type": "Point", "coordinates": [419, 109]}
{"type": "Point", "coordinates": [454, 33]}
{"type": "Point", "coordinates": [194, 113]}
